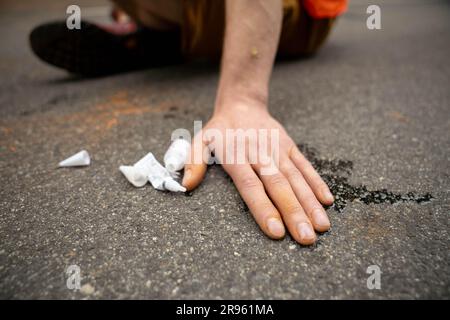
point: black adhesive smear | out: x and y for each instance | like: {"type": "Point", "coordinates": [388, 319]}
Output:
{"type": "Point", "coordinates": [336, 174]}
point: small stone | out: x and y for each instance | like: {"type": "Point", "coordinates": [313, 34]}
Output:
{"type": "Point", "coordinates": [87, 289]}
{"type": "Point", "coordinates": [292, 247]}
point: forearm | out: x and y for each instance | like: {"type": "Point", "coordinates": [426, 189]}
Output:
{"type": "Point", "coordinates": [251, 39]}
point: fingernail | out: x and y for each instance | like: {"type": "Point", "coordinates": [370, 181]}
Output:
{"type": "Point", "coordinates": [306, 232]}
{"type": "Point", "coordinates": [321, 220]}
{"type": "Point", "coordinates": [328, 196]}
{"type": "Point", "coordinates": [186, 176]}
{"type": "Point", "coordinates": [275, 227]}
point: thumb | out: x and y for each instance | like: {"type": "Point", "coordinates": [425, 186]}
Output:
{"type": "Point", "coordinates": [195, 168]}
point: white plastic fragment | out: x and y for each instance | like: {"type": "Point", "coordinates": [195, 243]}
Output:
{"type": "Point", "coordinates": [149, 165]}
{"type": "Point", "coordinates": [172, 185]}
{"type": "Point", "coordinates": [149, 169]}
{"type": "Point", "coordinates": [159, 176]}
{"type": "Point", "coordinates": [176, 156]}
{"type": "Point", "coordinates": [134, 176]}
{"type": "Point", "coordinates": [79, 159]}
{"type": "Point", "coordinates": [165, 183]}
{"type": "Point", "coordinates": [137, 174]}
{"type": "Point", "coordinates": [157, 182]}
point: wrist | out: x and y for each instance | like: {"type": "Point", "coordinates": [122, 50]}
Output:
{"type": "Point", "coordinates": [240, 100]}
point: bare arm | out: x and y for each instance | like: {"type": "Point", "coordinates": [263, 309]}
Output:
{"type": "Point", "coordinates": [291, 197]}
{"type": "Point", "coordinates": [251, 40]}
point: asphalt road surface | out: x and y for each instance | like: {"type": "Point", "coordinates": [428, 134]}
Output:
{"type": "Point", "coordinates": [371, 111]}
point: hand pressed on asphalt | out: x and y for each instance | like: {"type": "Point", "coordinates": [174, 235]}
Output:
{"type": "Point", "coordinates": [290, 197]}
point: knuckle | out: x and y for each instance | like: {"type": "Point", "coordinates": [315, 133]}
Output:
{"type": "Point", "coordinates": [311, 202]}
{"type": "Point", "coordinates": [298, 156]}
{"type": "Point", "coordinates": [320, 183]}
{"type": "Point", "coordinates": [292, 208]}
{"type": "Point", "coordinates": [292, 172]}
{"type": "Point", "coordinates": [314, 208]}
{"type": "Point", "coordinates": [262, 208]}
{"type": "Point", "coordinates": [249, 182]}
{"type": "Point", "coordinates": [307, 166]}
{"type": "Point", "coordinates": [277, 180]}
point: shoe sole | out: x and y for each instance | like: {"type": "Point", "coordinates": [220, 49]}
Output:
{"type": "Point", "coordinates": [89, 51]}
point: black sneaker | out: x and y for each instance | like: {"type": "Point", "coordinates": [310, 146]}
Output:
{"type": "Point", "coordinates": [98, 51]}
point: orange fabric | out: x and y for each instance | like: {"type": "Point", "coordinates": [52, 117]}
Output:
{"type": "Point", "coordinates": [306, 24]}
{"type": "Point", "coordinates": [325, 8]}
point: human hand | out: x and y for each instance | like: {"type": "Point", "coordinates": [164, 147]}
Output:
{"type": "Point", "coordinates": [290, 197]}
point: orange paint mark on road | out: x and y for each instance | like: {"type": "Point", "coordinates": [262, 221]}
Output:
{"type": "Point", "coordinates": [398, 116]}
{"type": "Point", "coordinates": [107, 114]}
{"type": "Point", "coordinates": [111, 123]}
{"type": "Point", "coordinates": [90, 124]}
{"type": "Point", "coordinates": [6, 130]}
